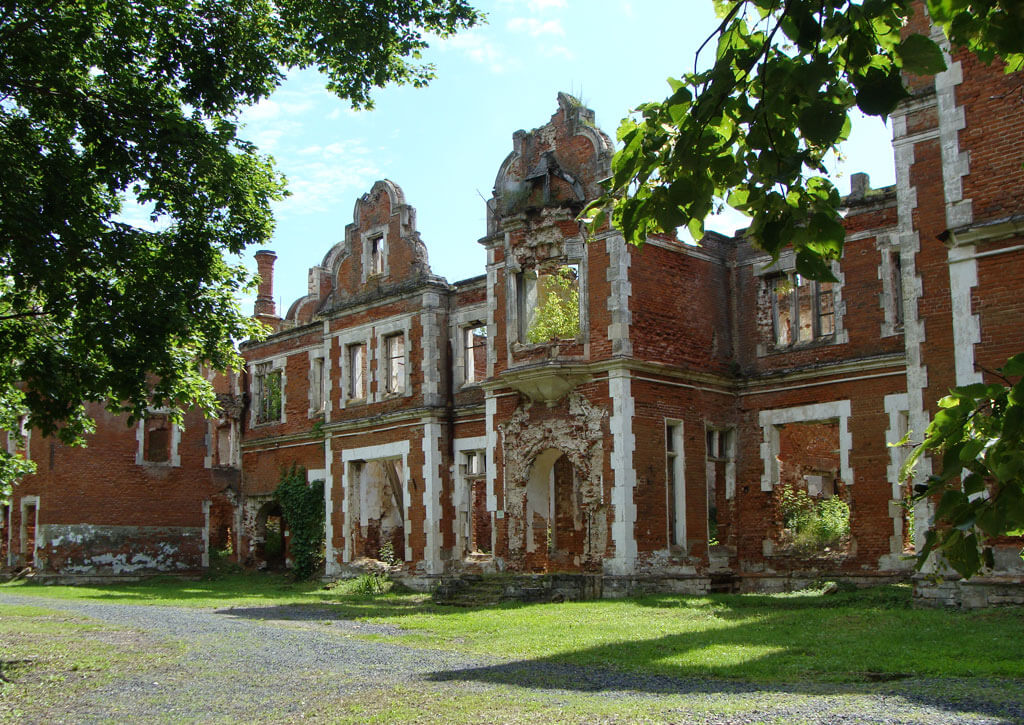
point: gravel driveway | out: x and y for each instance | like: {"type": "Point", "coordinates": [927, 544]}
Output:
{"type": "Point", "coordinates": [279, 664]}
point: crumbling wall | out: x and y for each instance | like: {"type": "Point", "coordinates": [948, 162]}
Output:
{"type": "Point", "coordinates": [574, 428]}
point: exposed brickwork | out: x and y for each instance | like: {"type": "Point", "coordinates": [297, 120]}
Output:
{"type": "Point", "coordinates": [653, 442]}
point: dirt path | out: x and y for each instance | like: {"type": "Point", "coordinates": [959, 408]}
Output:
{"type": "Point", "coordinates": [290, 664]}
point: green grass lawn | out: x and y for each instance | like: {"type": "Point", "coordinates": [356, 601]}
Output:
{"type": "Point", "coordinates": [47, 657]}
{"type": "Point", "coordinates": [849, 636]}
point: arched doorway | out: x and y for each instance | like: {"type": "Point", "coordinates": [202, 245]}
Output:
{"type": "Point", "coordinates": [554, 521]}
{"type": "Point", "coordinates": [270, 544]}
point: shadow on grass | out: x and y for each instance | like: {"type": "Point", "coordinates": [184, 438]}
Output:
{"type": "Point", "coordinates": [635, 667]}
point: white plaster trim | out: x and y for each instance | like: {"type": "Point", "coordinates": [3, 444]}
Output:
{"type": "Point", "coordinates": [432, 487]}
{"type": "Point", "coordinates": [490, 415]}
{"type": "Point", "coordinates": [399, 449]}
{"type": "Point", "coordinates": [770, 420]}
{"type": "Point", "coordinates": [492, 323]}
{"type": "Point", "coordinates": [623, 445]}
{"type": "Point", "coordinates": [913, 326]}
{"type": "Point", "coordinates": [431, 336]}
{"type": "Point", "coordinates": [620, 318]}
{"type": "Point", "coordinates": [173, 458]}
{"type": "Point", "coordinates": [896, 406]}
{"type": "Point", "coordinates": [952, 120]}
{"type": "Point", "coordinates": [963, 278]}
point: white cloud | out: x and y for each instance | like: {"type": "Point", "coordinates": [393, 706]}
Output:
{"type": "Point", "coordinates": [559, 51]}
{"type": "Point", "coordinates": [319, 182]}
{"type": "Point", "coordinates": [539, 6]}
{"type": "Point", "coordinates": [536, 27]}
{"type": "Point", "coordinates": [481, 50]}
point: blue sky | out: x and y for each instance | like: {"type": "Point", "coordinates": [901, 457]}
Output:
{"type": "Point", "coordinates": [443, 144]}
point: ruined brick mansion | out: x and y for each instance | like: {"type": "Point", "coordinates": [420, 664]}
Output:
{"type": "Point", "coordinates": [584, 406]}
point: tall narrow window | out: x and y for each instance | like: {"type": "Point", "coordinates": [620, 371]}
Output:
{"type": "Point", "coordinates": [267, 393]}
{"type": "Point", "coordinates": [475, 353]}
{"type": "Point", "coordinates": [316, 385]}
{"type": "Point", "coordinates": [896, 285]}
{"type": "Point", "coordinates": [674, 488]}
{"type": "Point", "coordinates": [158, 439]}
{"type": "Point", "coordinates": [719, 454]}
{"type": "Point", "coordinates": [356, 371]}
{"type": "Point", "coordinates": [377, 255]}
{"type": "Point", "coordinates": [394, 352]}
{"type": "Point", "coordinates": [782, 310]}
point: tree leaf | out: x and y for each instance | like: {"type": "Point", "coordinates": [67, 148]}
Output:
{"type": "Point", "coordinates": [920, 55]}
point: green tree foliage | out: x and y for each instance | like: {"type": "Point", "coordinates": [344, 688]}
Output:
{"type": "Point", "coordinates": [557, 317]}
{"type": "Point", "coordinates": [106, 102]}
{"type": "Point", "coordinates": [303, 507]}
{"type": "Point", "coordinates": [980, 489]}
{"type": "Point", "coordinates": [752, 132]}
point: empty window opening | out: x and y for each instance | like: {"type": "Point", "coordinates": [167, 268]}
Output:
{"type": "Point", "coordinates": [474, 347]}
{"type": "Point", "coordinates": [356, 358]}
{"type": "Point", "coordinates": [675, 503]}
{"type": "Point", "coordinates": [803, 310]}
{"type": "Point", "coordinates": [896, 287]}
{"type": "Point", "coordinates": [379, 510]}
{"type": "Point", "coordinates": [377, 255]}
{"type": "Point", "coordinates": [813, 507]}
{"type": "Point", "coordinates": [267, 392]}
{"type": "Point", "coordinates": [719, 451]}
{"type": "Point", "coordinates": [475, 519]}
{"type": "Point", "coordinates": [394, 360]}
{"type": "Point", "coordinates": [157, 441]}
{"type": "Point", "coordinates": [549, 304]}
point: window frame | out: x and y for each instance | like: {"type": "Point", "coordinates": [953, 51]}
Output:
{"type": "Point", "coordinates": [318, 379]}
{"type": "Point", "coordinates": [795, 285]}
{"type": "Point", "coordinates": [351, 367]}
{"type": "Point", "coordinates": [262, 372]}
{"type": "Point", "coordinates": [527, 284]}
{"type": "Point", "coordinates": [394, 364]}
{"type": "Point", "coordinates": [675, 484]}
{"type": "Point", "coordinates": [468, 352]}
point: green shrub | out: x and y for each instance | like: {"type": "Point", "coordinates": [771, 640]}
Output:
{"type": "Point", "coordinates": [387, 554]}
{"type": "Point", "coordinates": [370, 584]}
{"type": "Point", "coordinates": [813, 524]}
{"type": "Point", "coordinates": [303, 507]}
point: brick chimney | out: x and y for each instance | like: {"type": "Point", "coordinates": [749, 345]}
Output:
{"type": "Point", "coordinates": [265, 310]}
